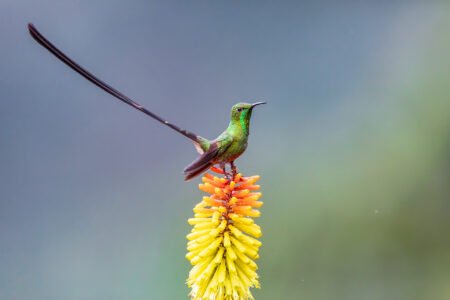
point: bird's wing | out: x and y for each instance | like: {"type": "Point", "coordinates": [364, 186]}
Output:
{"type": "Point", "coordinates": [202, 144]}
{"type": "Point", "coordinates": [207, 159]}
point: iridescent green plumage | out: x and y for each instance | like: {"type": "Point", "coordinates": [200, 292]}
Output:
{"type": "Point", "coordinates": [224, 149]}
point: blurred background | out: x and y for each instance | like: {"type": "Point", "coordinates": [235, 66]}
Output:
{"type": "Point", "coordinates": [353, 147]}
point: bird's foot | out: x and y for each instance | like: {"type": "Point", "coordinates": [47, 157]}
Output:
{"type": "Point", "coordinates": [227, 175]}
{"type": "Point", "coordinates": [233, 169]}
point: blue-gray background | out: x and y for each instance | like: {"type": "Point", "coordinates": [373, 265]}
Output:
{"type": "Point", "coordinates": [353, 147]}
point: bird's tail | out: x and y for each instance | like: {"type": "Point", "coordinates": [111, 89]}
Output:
{"type": "Point", "coordinates": [202, 163]}
{"type": "Point", "coordinates": [189, 174]}
{"type": "Point", "coordinates": [198, 140]}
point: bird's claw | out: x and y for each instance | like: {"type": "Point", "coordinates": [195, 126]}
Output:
{"type": "Point", "coordinates": [233, 169]}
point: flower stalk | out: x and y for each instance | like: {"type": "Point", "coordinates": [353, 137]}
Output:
{"type": "Point", "coordinates": [223, 244]}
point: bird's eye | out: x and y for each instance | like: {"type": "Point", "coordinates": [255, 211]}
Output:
{"type": "Point", "coordinates": [239, 109]}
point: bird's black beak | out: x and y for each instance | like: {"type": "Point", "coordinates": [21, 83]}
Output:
{"type": "Point", "coordinates": [258, 103]}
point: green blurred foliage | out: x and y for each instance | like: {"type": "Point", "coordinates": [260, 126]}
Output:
{"type": "Point", "coordinates": [366, 214]}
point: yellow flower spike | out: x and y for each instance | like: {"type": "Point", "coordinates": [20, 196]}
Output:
{"type": "Point", "coordinates": [197, 246]}
{"type": "Point", "coordinates": [190, 256]}
{"type": "Point", "coordinates": [247, 211]}
{"type": "Point", "coordinates": [204, 225]}
{"type": "Point", "coordinates": [215, 217]}
{"type": "Point", "coordinates": [252, 229]}
{"type": "Point", "coordinates": [222, 271]}
{"type": "Point", "coordinates": [195, 259]}
{"type": "Point", "coordinates": [243, 220]}
{"type": "Point", "coordinates": [199, 205]}
{"type": "Point", "coordinates": [213, 182]}
{"type": "Point", "coordinates": [233, 201]}
{"type": "Point", "coordinates": [209, 176]}
{"type": "Point", "coordinates": [203, 278]}
{"type": "Point", "coordinates": [241, 247]}
{"type": "Point", "coordinates": [232, 185]}
{"type": "Point", "coordinates": [219, 192]}
{"type": "Point", "coordinates": [231, 253]}
{"type": "Point", "coordinates": [241, 193]}
{"type": "Point", "coordinates": [226, 240]}
{"type": "Point", "coordinates": [236, 232]}
{"type": "Point", "coordinates": [197, 215]}
{"type": "Point", "coordinates": [252, 197]}
{"type": "Point", "coordinates": [228, 288]}
{"type": "Point", "coordinates": [252, 252]}
{"type": "Point", "coordinates": [204, 239]}
{"type": "Point", "coordinates": [251, 179]}
{"type": "Point", "coordinates": [202, 210]}
{"type": "Point", "coordinates": [254, 187]}
{"type": "Point", "coordinates": [193, 221]}
{"type": "Point", "coordinates": [244, 278]}
{"type": "Point", "coordinates": [242, 257]}
{"type": "Point", "coordinates": [247, 270]}
{"type": "Point", "coordinates": [201, 267]}
{"type": "Point", "coordinates": [242, 210]}
{"type": "Point", "coordinates": [196, 234]}
{"type": "Point", "coordinates": [238, 177]}
{"type": "Point", "coordinates": [252, 265]}
{"type": "Point", "coordinates": [194, 249]}
{"type": "Point", "coordinates": [235, 283]}
{"type": "Point", "coordinates": [223, 242]}
{"type": "Point", "coordinates": [213, 283]}
{"type": "Point", "coordinates": [216, 243]}
{"type": "Point", "coordinates": [219, 229]}
{"type": "Point", "coordinates": [230, 265]}
{"type": "Point", "coordinates": [207, 188]}
{"type": "Point", "coordinates": [222, 225]}
{"type": "Point", "coordinates": [254, 204]}
{"type": "Point", "coordinates": [248, 185]}
{"type": "Point", "coordinates": [208, 201]}
{"type": "Point", "coordinates": [219, 255]}
{"type": "Point", "coordinates": [250, 241]}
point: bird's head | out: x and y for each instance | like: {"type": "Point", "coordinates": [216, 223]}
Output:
{"type": "Point", "coordinates": [242, 112]}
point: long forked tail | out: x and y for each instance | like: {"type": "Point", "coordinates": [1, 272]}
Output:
{"type": "Point", "coordinates": [106, 87]}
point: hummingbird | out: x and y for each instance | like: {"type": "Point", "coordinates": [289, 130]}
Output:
{"type": "Point", "coordinates": [223, 150]}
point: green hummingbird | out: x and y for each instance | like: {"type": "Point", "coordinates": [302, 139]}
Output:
{"type": "Point", "coordinates": [223, 150]}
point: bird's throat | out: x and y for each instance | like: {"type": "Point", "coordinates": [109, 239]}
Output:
{"type": "Point", "coordinates": [244, 121]}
